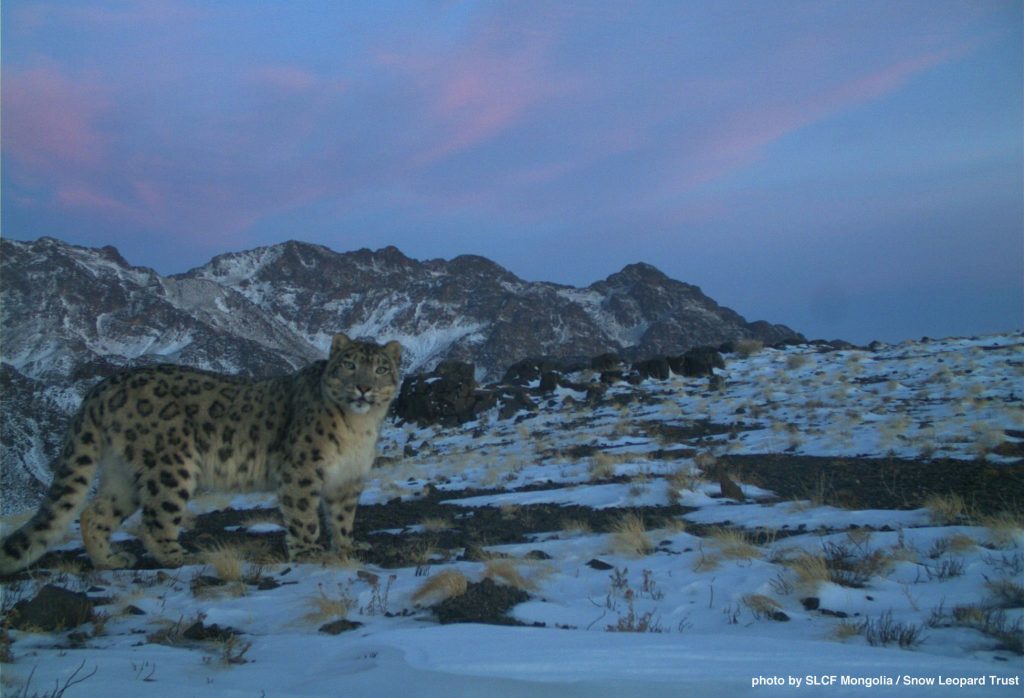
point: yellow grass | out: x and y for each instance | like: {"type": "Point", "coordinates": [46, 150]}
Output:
{"type": "Point", "coordinates": [629, 536]}
{"type": "Point", "coordinates": [443, 585]}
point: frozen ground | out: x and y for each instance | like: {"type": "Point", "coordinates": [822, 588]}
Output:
{"type": "Point", "coordinates": [651, 583]}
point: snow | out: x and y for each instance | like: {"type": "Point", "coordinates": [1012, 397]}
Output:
{"type": "Point", "coordinates": [697, 597]}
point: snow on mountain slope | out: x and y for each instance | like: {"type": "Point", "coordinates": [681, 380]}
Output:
{"type": "Point", "coordinates": [73, 315]}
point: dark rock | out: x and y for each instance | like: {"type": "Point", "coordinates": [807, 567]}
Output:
{"type": "Point", "coordinates": [483, 602]}
{"type": "Point", "coordinates": [340, 626]}
{"type": "Point", "coordinates": [526, 371]}
{"type": "Point", "coordinates": [656, 368]}
{"type": "Point", "coordinates": [600, 565]}
{"type": "Point", "coordinates": [549, 382]}
{"type": "Point", "coordinates": [512, 401]}
{"type": "Point", "coordinates": [730, 489]}
{"type": "Point", "coordinates": [200, 632]}
{"type": "Point", "coordinates": [52, 609]}
{"type": "Point", "coordinates": [444, 396]}
{"type": "Point", "coordinates": [606, 362]}
{"type": "Point", "coordinates": [698, 362]}
{"type": "Point", "coordinates": [611, 377]}
{"type": "Point", "coordinates": [811, 603]}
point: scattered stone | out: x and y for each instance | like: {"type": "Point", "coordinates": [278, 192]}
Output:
{"type": "Point", "coordinates": [53, 608]}
{"type": "Point", "coordinates": [199, 631]}
{"type": "Point", "coordinates": [340, 626]}
{"type": "Point", "coordinates": [483, 602]}
{"type": "Point", "coordinates": [600, 565]}
{"type": "Point", "coordinates": [657, 368]}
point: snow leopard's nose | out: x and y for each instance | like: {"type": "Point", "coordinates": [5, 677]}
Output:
{"type": "Point", "coordinates": [363, 390]}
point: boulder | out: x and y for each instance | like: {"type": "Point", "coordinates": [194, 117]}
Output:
{"type": "Point", "coordinates": [447, 395]}
{"type": "Point", "coordinates": [697, 362]}
{"type": "Point", "coordinates": [657, 368]}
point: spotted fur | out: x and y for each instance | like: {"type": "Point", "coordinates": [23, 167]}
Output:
{"type": "Point", "coordinates": [156, 434]}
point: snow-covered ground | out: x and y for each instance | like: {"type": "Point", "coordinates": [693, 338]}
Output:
{"type": "Point", "coordinates": [769, 596]}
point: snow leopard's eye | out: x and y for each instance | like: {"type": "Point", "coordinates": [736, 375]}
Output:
{"type": "Point", "coordinates": [381, 370]}
{"type": "Point", "coordinates": [349, 365]}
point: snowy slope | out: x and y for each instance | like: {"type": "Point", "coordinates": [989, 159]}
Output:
{"type": "Point", "coordinates": [713, 598]}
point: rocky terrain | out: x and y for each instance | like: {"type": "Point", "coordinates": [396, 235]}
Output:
{"type": "Point", "coordinates": [795, 513]}
{"type": "Point", "coordinates": [72, 315]}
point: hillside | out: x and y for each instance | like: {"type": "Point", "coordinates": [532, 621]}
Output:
{"type": "Point", "coordinates": [73, 315]}
{"type": "Point", "coordinates": [809, 516]}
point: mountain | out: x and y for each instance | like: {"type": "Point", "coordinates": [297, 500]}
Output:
{"type": "Point", "coordinates": [71, 315]}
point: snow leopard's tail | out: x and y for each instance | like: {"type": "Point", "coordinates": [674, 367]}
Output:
{"type": "Point", "coordinates": [75, 469]}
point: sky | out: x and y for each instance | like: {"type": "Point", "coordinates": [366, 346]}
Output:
{"type": "Point", "coordinates": [851, 169]}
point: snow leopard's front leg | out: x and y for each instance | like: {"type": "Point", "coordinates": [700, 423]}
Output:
{"type": "Point", "coordinates": [299, 501]}
{"type": "Point", "coordinates": [340, 509]}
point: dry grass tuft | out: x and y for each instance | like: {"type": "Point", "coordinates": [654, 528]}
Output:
{"type": "Point", "coordinates": [796, 361]}
{"type": "Point", "coordinates": [845, 629]}
{"type": "Point", "coordinates": [748, 347]}
{"type": "Point", "coordinates": [227, 561]}
{"type": "Point", "coordinates": [734, 544]}
{"type": "Point", "coordinates": [446, 584]}
{"type": "Point", "coordinates": [629, 536]}
{"type": "Point", "coordinates": [946, 509]}
{"type": "Point", "coordinates": [577, 527]}
{"type": "Point", "coordinates": [505, 571]}
{"type": "Point", "coordinates": [811, 570]}
{"type": "Point", "coordinates": [1004, 529]}
{"type": "Point", "coordinates": [436, 524]}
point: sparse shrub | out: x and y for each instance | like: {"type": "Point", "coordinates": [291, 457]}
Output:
{"type": "Point", "coordinates": [946, 568]}
{"type": "Point", "coordinates": [325, 606]}
{"type": "Point", "coordinates": [379, 593]}
{"type": "Point", "coordinates": [633, 622]}
{"type": "Point", "coordinates": [1006, 593]}
{"type": "Point", "coordinates": [993, 623]}
{"type": "Point", "coordinates": [885, 631]}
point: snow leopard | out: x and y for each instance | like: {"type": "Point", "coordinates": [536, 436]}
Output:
{"type": "Point", "coordinates": [157, 434]}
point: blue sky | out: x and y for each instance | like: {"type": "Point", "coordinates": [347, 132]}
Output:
{"type": "Point", "coordinates": [852, 169]}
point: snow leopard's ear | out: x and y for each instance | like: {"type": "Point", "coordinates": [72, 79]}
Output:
{"type": "Point", "coordinates": [339, 342]}
{"type": "Point", "coordinates": [394, 351]}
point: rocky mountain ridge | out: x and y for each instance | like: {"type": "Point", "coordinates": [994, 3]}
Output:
{"type": "Point", "coordinates": [72, 315]}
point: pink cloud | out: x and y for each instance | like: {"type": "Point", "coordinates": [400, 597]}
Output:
{"type": "Point", "coordinates": [743, 138]}
{"type": "Point", "coordinates": [50, 120]}
{"type": "Point", "coordinates": [473, 95]}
